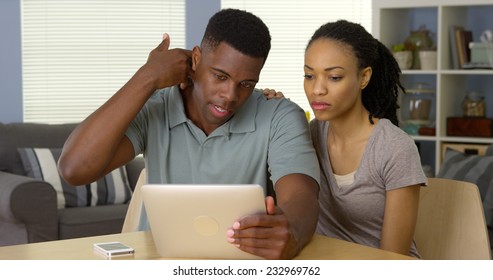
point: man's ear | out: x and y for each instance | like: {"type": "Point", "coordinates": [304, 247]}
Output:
{"type": "Point", "coordinates": [196, 56]}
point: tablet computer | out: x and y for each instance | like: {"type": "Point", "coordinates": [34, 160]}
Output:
{"type": "Point", "coordinates": [190, 221]}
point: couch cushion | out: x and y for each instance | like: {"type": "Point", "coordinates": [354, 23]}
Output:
{"type": "Point", "coordinates": [470, 168]}
{"type": "Point", "coordinates": [90, 221]}
{"type": "Point", "coordinates": [38, 135]}
{"type": "Point", "coordinates": [475, 169]}
{"type": "Point", "coordinates": [41, 163]}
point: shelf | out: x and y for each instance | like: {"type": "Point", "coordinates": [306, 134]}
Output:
{"type": "Point", "coordinates": [452, 139]}
{"type": "Point", "coordinates": [468, 72]}
{"type": "Point", "coordinates": [423, 138]}
{"type": "Point", "coordinates": [419, 72]}
{"type": "Point", "coordinates": [392, 23]}
{"type": "Point", "coordinates": [482, 140]}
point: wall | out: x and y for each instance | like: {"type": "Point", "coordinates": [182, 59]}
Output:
{"type": "Point", "coordinates": [197, 14]}
{"type": "Point", "coordinates": [10, 62]}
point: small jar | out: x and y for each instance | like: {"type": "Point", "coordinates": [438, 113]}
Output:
{"type": "Point", "coordinates": [418, 105]}
{"type": "Point", "coordinates": [474, 105]}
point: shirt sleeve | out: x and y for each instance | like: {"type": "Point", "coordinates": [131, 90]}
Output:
{"type": "Point", "coordinates": [138, 129]}
{"type": "Point", "coordinates": [290, 148]}
{"type": "Point", "coordinates": [402, 167]}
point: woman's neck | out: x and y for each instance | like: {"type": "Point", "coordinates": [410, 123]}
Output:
{"type": "Point", "coordinates": [346, 142]}
{"type": "Point", "coordinates": [352, 128]}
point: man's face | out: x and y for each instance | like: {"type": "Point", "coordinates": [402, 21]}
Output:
{"type": "Point", "coordinates": [224, 79]}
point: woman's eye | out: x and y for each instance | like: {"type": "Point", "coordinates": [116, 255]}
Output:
{"type": "Point", "coordinates": [335, 78]}
{"type": "Point", "coordinates": [308, 76]}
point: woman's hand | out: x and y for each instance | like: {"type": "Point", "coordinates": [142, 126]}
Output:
{"type": "Point", "coordinates": [272, 93]}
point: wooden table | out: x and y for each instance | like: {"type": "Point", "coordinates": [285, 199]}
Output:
{"type": "Point", "coordinates": [320, 248]}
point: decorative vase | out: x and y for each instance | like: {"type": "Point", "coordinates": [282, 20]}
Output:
{"type": "Point", "coordinates": [428, 59]}
{"type": "Point", "coordinates": [420, 39]}
{"type": "Point", "coordinates": [404, 59]}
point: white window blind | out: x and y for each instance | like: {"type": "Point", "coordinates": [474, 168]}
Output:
{"type": "Point", "coordinates": [291, 24]}
{"type": "Point", "coordinates": [78, 53]}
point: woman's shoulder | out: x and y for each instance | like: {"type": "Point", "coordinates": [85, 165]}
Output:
{"type": "Point", "coordinates": [389, 131]}
{"type": "Point", "coordinates": [389, 138]}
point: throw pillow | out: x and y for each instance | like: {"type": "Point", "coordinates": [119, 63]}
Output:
{"type": "Point", "coordinates": [475, 169]}
{"type": "Point", "coordinates": [41, 164]}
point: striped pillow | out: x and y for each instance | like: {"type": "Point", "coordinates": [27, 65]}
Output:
{"type": "Point", "coordinates": [475, 169]}
{"type": "Point", "coordinates": [470, 168]}
{"type": "Point", "coordinates": [41, 164]}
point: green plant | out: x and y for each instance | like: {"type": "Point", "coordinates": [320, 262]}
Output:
{"type": "Point", "coordinates": [403, 47]}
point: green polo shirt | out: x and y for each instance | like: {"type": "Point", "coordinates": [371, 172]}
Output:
{"type": "Point", "coordinates": [262, 135]}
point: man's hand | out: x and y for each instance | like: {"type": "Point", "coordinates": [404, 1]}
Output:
{"type": "Point", "coordinates": [169, 67]}
{"type": "Point", "coordinates": [265, 235]}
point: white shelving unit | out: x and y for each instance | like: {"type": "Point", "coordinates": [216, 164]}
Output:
{"type": "Point", "coordinates": [392, 23]}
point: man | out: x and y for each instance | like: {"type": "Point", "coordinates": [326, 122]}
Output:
{"type": "Point", "coordinates": [213, 129]}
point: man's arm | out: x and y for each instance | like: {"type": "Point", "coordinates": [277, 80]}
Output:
{"type": "Point", "coordinates": [297, 197]}
{"type": "Point", "coordinates": [282, 232]}
{"type": "Point", "coordinates": [98, 144]}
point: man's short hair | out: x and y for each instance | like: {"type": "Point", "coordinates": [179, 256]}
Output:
{"type": "Point", "coordinates": [241, 30]}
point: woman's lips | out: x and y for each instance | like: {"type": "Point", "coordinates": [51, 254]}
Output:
{"type": "Point", "coordinates": [319, 105]}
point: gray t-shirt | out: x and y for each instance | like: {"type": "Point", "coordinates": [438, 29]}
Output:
{"type": "Point", "coordinates": [263, 135]}
{"type": "Point", "coordinates": [355, 212]}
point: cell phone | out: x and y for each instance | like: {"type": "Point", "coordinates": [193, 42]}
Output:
{"type": "Point", "coordinates": [112, 249]}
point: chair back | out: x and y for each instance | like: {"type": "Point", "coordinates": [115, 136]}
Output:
{"type": "Point", "coordinates": [451, 223]}
{"type": "Point", "coordinates": [132, 218]}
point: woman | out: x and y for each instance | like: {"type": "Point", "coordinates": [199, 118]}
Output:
{"type": "Point", "coordinates": [371, 171]}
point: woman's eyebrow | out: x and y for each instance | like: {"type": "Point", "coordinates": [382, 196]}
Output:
{"type": "Point", "coordinates": [326, 69]}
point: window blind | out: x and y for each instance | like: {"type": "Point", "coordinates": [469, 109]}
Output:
{"type": "Point", "coordinates": [291, 24]}
{"type": "Point", "coordinates": [78, 53]}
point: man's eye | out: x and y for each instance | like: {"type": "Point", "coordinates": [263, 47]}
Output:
{"type": "Point", "coordinates": [220, 77]}
{"type": "Point", "coordinates": [246, 85]}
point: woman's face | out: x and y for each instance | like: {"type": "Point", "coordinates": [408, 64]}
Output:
{"type": "Point", "coordinates": [333, 81]}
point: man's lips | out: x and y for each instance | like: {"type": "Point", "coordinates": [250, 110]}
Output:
{"type": "Point", "coordinates": [219, 111]}
{"type": "Point", "coordinates": [316, 105]}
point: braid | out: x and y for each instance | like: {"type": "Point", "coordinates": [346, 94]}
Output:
{"type": "Point", "coordinates": [380, 96]}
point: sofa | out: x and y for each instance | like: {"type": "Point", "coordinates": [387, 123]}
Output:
{"type": "Point", "coordinates": [465, 162]}
{"type": "Point", "coordinates": [36, 204]}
